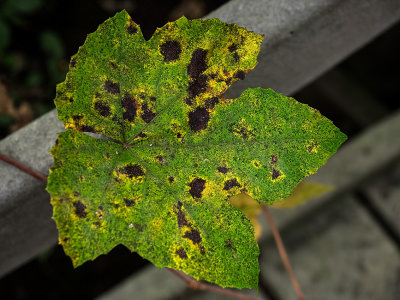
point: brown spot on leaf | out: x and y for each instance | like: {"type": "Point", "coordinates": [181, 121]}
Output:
{"type": "Point", "coordinates": [196, 87]}
{"type": "Point", "coordinates": [129, 202]}
{"type": "Point", "coordinates": [231, 183]}
{"type": "Point", "coordinates": [86, 128]}
{"type": "Point", "coordinates": [113, 65]}
{"type": "Point", "coordinates": [196, 187]}
{"type": "Point", "coordinates": [229, 243]}
{"type": "Point", "coordinates": [160, 159]}
{"type": "Point", "coordinates": [77, 194]}
{"type": "Point", "coordinates": [111, 87]}
{"type": "Point", "coordinates": [170, 50]}
{"type": "Point", "coordinates": [130, 105]}
{"type": "Point", "coordinates": [147, 114]}
{"type": "Point", "coordinates": [193, 235]}
{"type": "Point", "coordinates": [80, 209]}
{"type": "Point", "coordinates": [181, 216]}
{"type": "Point", "coordinates": [275, 173]}
{"type": "Point", "coordinates": [132, 170]}
{"type": "Point", "coordinates": [138, 227]}
{"type": "Point", "coordinates": [223, 170]}
{"type": "Point", "coordinates": [103, 108]}
{"type": "Point", "coordinates": [131, 29]}
{"type": "Point", "coordinates": [211, 102]}
{"type": "Point", "coordinates": [240, 74]}
{"type": "Point", "coordinates": [198, 63]}
{"type": "Point", "coordinates": [232, 48]}
{"type": "Point", "coordinates": [198, 119]}
{"type": "Point", "coordinates": [182, 254]}
{"type": "Point", "coordinates": [274, 159]}
{"type": "Point", "coordinates": [202, 250]}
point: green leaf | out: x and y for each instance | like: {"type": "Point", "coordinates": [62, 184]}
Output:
{"type": "Point", "coordinates": [175, 150]}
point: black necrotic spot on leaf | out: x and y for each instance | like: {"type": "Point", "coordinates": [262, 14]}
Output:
{"type": "Point", "coordinates": [111, 87]}
{"type": "Point", "coordinates": [231, 183]}
{"type": "Point", "coordinates": [170, 50]}
{"type": "Point", "coordinates": [171, 179]}
{"type": "Point", "coordinates": [80, 209]}
{"type": "Point", "coordinates": [198, 119]}
{"type": "Point", "coordinates": [71, 100]}
{"type": "Point", "coordinates": [193, 235]}
{"type": "Point", "coordinates": [196, 187]}
{"type": "Point", "coordinates": [113, 65]}
{"type": "Point", "coordinates": [86, 128]}
{"type": "Point", "coordinates": [196, 87]}
{"type": "Point", "coordinates": [240, 74]}
{"type": "Point", "coordinates": [129, 202]}
{"type": "Point", "coordinates": [147, 114]}
{"type": "Point", "coordinates": [223, 170]}
{"type": "Point", "coordinates": [232, 48]}
{"type": "Point", "coordinates": [211, 102]}
{"type": "Point", "coordinates": [160, 158]}
{"type": "Point", "coordinates": [77, 194]}
{"type": "Point", "coordinates": [131, 29]}
{"type": "Point", "coordinates": [198, 63]}
{"type": "Point", "coordinates": [72, 63]}
{"type": "Point", "coordinates": [275, 173]}
{"type": "Point", "coordinates": [181, 219]}
{"type": "Point", "coordinates": [103, 108]}
{"type": "Point", "coordinates": [182, 254]}
{"type": "Point", "coordinates": [236, 57]}
{"type": "Point", "coordinates": [77, 117]}
{"type": "Point", "coordinates": [130, 106]}
{"type": "Point", "coordinates": [229, 243]}
{"type": "Point", "coordinates": [132, 170]}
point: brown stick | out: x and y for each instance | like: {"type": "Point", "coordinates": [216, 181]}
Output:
{"type": "Point", "coordinates": [23, 168]}
{"type": "Point", "coordinates": [283, 254]}
{"type": "Point", "coordinates": [197, 285]}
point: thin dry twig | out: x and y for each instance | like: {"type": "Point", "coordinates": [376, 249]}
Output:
{"type": "Point", "coordinates": [197, 285]}
{"type": "Point", "coordinates": [24, 168]}
{"type": "Point", "coordinates": [283, 254]}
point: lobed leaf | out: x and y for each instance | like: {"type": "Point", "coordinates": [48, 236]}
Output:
{"type": "Point", "coordinates": [175, 150]}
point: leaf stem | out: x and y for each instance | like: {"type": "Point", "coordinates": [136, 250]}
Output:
{"type": "Point", "coordinates": [283, 254]}
{"type": "Point", "coordinates": [197, 285]}
{"type": "Point", "coordinates": [23, 168]}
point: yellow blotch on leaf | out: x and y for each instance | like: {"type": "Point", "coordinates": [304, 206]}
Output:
{"type": "Point", "coordinates": [303, 192]}
{"type": "Point", "coordinates": [251, 208]}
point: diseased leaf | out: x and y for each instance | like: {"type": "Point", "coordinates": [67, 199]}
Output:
{"type": "Point", "coordinates": [175, 150]}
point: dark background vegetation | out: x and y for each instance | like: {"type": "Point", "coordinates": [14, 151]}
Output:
{"type": "Point", "coordinates": [37, 38]}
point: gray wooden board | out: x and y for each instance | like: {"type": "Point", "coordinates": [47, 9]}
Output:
{"type": "Point", "coordinates": [304, 39]}
{"type": "Point", "coordinates": [384, 192]}
{"type": "Point", "coordinates": [339, 253]}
